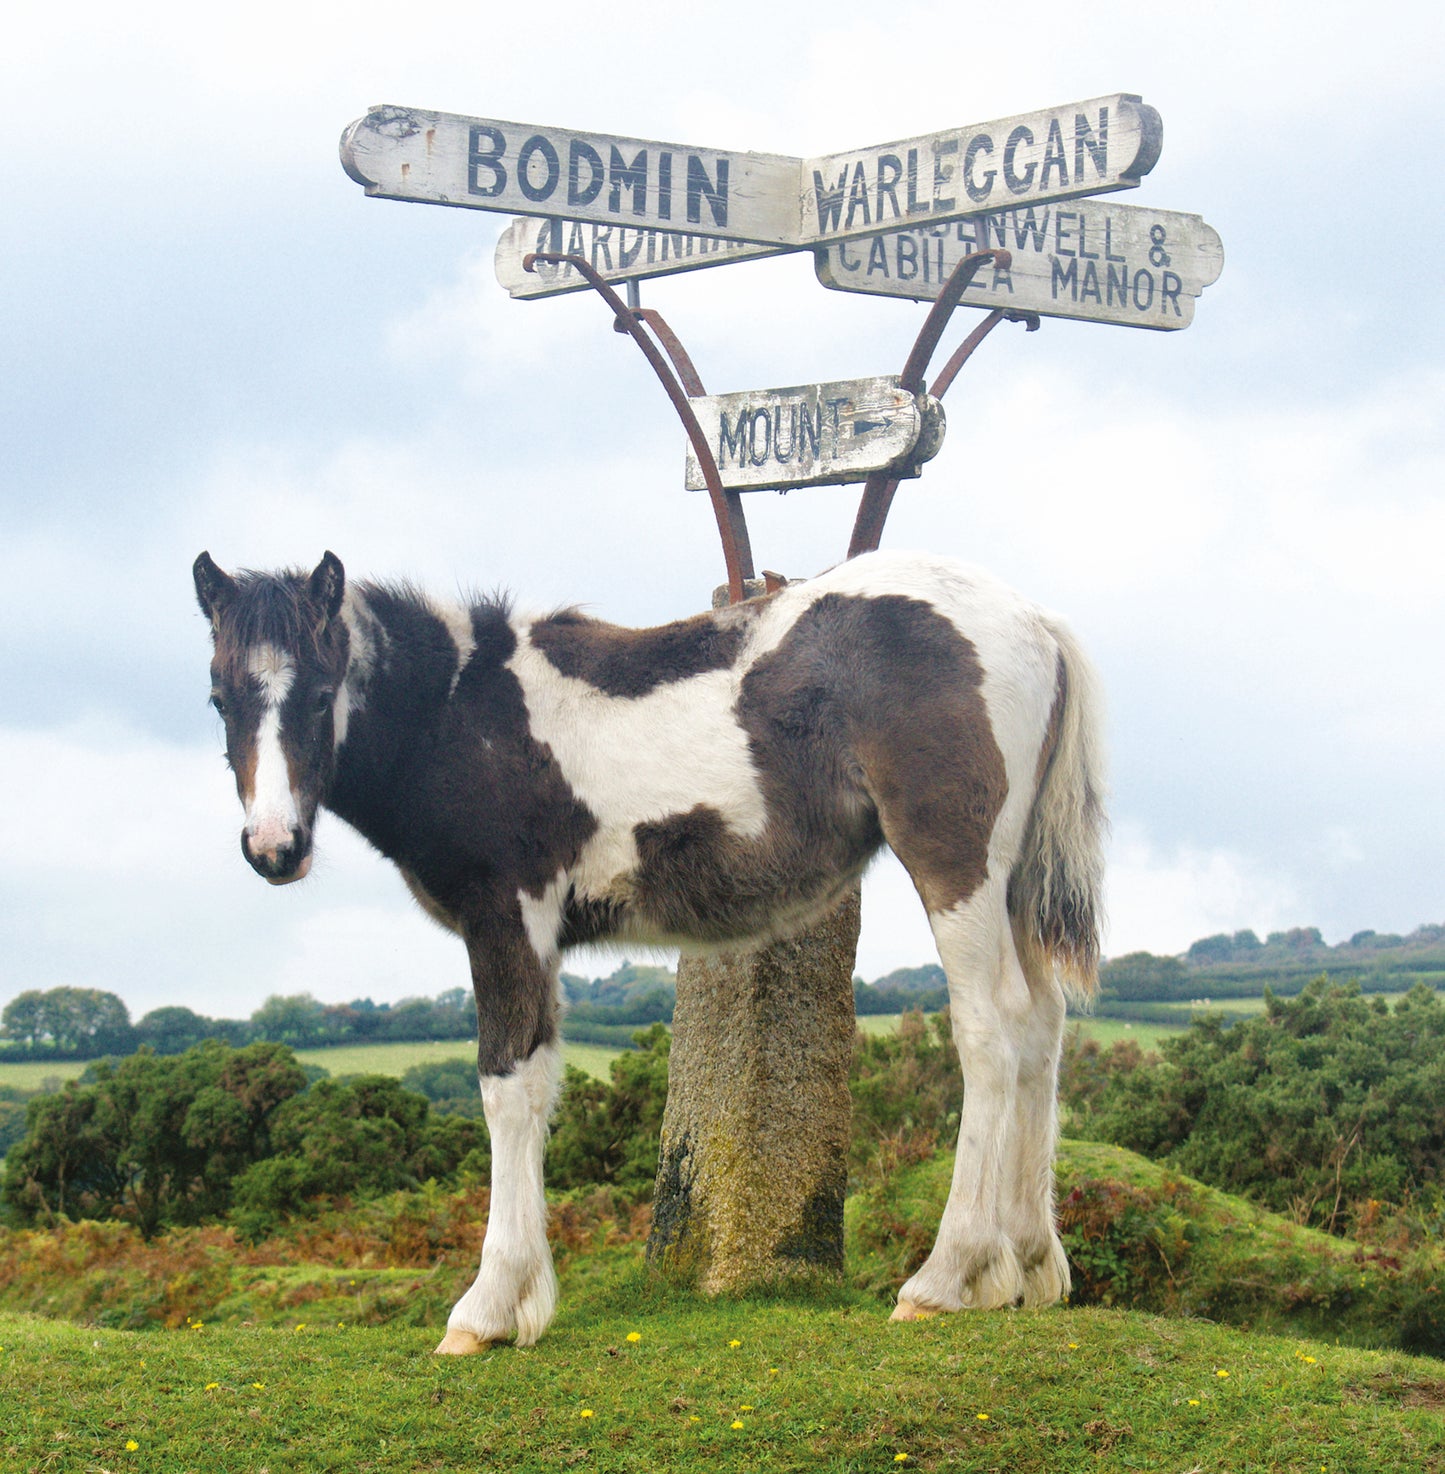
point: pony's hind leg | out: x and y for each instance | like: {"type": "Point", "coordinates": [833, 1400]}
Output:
{"type": "Point", "coordinates": [976, 1261]}
{"type": "Point", "coordinates": [1033, 1135]}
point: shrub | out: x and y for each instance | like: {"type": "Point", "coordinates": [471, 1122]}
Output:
{"type": "Point", "coordinates": [357, 1138]}
{"type": "Point", "coordinates": [1321, 1100]}
{"type": "Point", "coordinates": [607, 1134]}
{"type": "Point", "coordinates": [155, 1141]}
{"type": "Point", "coordinates": [907, 1091]}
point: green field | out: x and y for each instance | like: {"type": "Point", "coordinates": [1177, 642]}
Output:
{"type": "Point", "coordinates": [592, 1059]}
{"type": "Point", "coordinates": [1106, 1030]}
{"type": "Point", "coordinates": [344, 1059]}
{"type": "Point", "coordinates": [397, 1059]}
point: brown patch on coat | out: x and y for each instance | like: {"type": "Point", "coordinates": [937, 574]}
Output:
{"type": "Point", "coordinates": [865, 721]}
{"type": "Point", "coordinates": [628, 662]}
{"type": "Point", "coordinates": [876, 702]}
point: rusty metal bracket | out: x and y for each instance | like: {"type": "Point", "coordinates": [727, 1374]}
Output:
{"type": "Point", "coordinates": [879, 489]}
{"type": "Point", "coordinates": [679, 385]}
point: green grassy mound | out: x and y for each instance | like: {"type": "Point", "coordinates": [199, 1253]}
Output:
{"type": "Point", "coordinates": [1142, 1237]}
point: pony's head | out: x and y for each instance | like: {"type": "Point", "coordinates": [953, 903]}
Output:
{"type": "Point", "coordinates": [279, 661]}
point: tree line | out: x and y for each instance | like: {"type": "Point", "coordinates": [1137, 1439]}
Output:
{"type": "Point", "coordinates": [88, 1023]}
{"type": "Point", "coordinates": [1241, 966]}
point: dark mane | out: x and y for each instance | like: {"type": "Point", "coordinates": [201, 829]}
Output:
{"type": "Point", "coordinates": [404, 592]}
{"type": "Point", "coordinates": [268, 608]}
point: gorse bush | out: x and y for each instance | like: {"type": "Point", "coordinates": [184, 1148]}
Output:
{"type": "Point", "coordinates": [354, 1139]}
{"type": "Point", "coordinates": [606, 1135]}
{"type": "Point", "coordinates": [218, 1133]}
{"type": "Point", "coordinates": [1322, 1101]}
{"type": "Point", "coordinates": [155, 1141]}
{"type": "Point", "coordinates": [907, 1092]}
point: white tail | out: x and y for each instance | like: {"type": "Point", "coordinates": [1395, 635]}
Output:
{"type": "Point", "coordinates": [1056, 889]}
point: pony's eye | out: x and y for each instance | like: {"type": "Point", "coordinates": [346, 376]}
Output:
{"type": "Point", "coordinates": [219, 702]}
{"type": "Point", "coordinates": [321, 702]}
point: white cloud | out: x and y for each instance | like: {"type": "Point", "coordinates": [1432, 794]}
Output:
{"type": "Point", "coordinates": [121, 869]}
{"type": "Point", "coordinates": [895, 931]}
{"type": "Point", "coordinates": [1163, 896]}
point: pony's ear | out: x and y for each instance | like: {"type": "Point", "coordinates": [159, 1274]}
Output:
{"type": "Point", "coordinates": [214, 587]}
{"type": "Point", "coordinates": [327, 585]}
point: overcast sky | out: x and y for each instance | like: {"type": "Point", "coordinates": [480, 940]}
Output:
{"type": "Point", "coordinates": [212, 339]}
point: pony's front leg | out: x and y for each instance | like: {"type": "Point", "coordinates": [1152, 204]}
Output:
{"type": "Point", "coordinates": [515, 1291]}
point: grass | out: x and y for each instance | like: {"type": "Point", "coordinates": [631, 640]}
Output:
{"type": "Point", "coordinates": [788, 1382]}
{"type": "Point", "coordinates": [314, 1353]}
{"type": "Point", "coordinates": [397, 1059]}
{"type": "Point", "coordinates": [33, 1075]}
{"type": "Point", "coordinates": [343, 1059]}
{"type": "Point", "coordinates": [1110, 1031]}
{"type": "Point", "coordinates": [1105, 1030]}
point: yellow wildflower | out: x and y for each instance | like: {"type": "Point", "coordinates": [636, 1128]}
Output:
{"type": "Point", "coordinates": [737, 1423]}
{"type": "Point", "coordinates": [735, 1343]}
{"type": "Point", "coordinates": [634, 1336]}
{"type": "Point", "coordinates": [900, 1458]}
{"type": "Point", "coordinates": [131, 1445]}
{"type": "Point", "coordinates": [585, 1413]}
{"type": "Point", "coordinates": [746, 1407]}
{"type": "Point", "coordinates": [1220, 1372]}
{"type": "Point", "coordinates": [982, 1417]}
{"type": "Point", "coordinates": [211, 1386]}
{"type": "Point", "coordinates": [1193, 1402]}
{"type": "Point", "coordinates": [259, 1386]}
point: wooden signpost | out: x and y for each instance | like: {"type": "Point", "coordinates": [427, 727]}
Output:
{"type": "Point", "coordinates": [618, 253]}
{"type": "Point", "coordinates": [1097, 260]}
{"type": "Point", "coordinates": [816, 434]}
{"type": "Point", "coordinates": [1080, 148]}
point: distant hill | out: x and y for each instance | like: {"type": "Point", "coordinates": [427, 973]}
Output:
{"type": "Point", "coordinates": [1241, 966]}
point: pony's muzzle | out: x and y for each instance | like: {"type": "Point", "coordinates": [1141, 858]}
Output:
{"type": "Point", "coordinates": [278, 858]}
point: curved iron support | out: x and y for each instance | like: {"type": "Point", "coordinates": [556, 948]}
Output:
{"type": "Point", "coordinates": [964, 351]}
{"type": "Point", "coordinates": [937, 320]}
{"type": "Point", "coordinates": [880, 487]}
{"type": "Point", "coordinates": [691, 382]}
{"type": "Point", "coordinates": [631, 322]}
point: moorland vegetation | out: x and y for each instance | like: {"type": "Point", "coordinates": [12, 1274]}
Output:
{"type": "Point", "coordinates": [1323, 1108]}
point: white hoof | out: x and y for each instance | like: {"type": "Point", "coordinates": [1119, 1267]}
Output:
{"type": "Point", "coordinates": [461, 1343]}
{"type": "Point", "coordinates": [907, 1310]}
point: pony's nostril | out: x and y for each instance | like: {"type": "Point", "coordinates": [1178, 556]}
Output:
{"type": "Point", "coordinates": [273, 856]}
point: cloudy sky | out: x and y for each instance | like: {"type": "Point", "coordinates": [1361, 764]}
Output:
{"type": "Point", "coordinates": [212, 339]}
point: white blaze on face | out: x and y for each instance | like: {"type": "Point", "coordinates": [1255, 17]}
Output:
{"type": "Point", "coordinates": [272, 813]}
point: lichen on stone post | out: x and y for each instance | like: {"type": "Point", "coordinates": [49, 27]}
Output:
{"type": "Point", "coordinates": [753, 1167]}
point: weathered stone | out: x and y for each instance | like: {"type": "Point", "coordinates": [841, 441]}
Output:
{"type": "Point", "coordinates": [753, 1168]}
